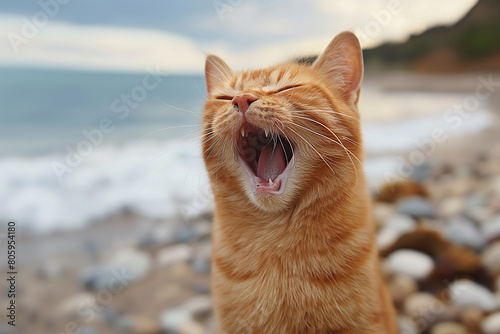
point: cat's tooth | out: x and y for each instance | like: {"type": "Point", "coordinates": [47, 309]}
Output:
{"type": "Point", "coordinates": [242, 132]}
{"type": "Point", "coordinates": [271, 182]}
{"type": "Point", "coordinates": [266, 132]}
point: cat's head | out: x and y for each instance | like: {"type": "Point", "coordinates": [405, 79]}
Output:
{"type": "Point", "coordinates": [279, 133]}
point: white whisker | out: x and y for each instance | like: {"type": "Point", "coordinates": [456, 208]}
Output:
{"type": "Point", "coordinates": [217, 167]}
{"type": "Point", "coordinates": [333, 133]}
{"type": "Point", "coordinates": [327, 111]}
{"type": "Point", "coordinates": [348, 152]}
{"type": "Point", "coordinates": [181, 109]}
{"type": "Point", "coordinates": [313, 149]}
{"type": "Point", "coordinates": [283, 147]}
{"type": "Point", "coordinates": [167, 128]}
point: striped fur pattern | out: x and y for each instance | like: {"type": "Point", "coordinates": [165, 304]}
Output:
{"type": "Point", "coordinates": [304, 261]}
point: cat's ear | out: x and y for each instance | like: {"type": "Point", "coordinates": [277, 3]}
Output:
{"type": "Point", "coordinates": [342, 64]}
{"type": "Point", "coordinates": [216, 72]}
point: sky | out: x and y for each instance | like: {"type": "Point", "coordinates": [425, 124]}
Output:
{"type": "Point", "coordinates": [175, 36]}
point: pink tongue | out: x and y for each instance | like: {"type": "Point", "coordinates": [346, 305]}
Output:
{"type": "Point", "coordinates": [271, 164]}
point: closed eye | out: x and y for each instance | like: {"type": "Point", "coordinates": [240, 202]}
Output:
{"type": "Point", "coordinates": [284, 89]}
{"type": "Point", "coordinates": [224, 97]}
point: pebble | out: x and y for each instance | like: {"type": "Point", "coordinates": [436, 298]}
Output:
{"type": "Point", "coordinates": [91, 248]}
{"type": "Point", "coordinates": [201, 264]}
{"type": "Point", "coordinates": [491, 229]}
{"type": "Point", "coordinates": [459, 187]}
{"type": "Point", "coordinates": [199, 306]}
{"type": "Point", "coordinates": [203, 228]}
{"type": "Point", "coordinates": [87, 330]}
{"type": "Point", "coordinates": [482, 214]}
{"type": "Point", "coordinates": [201, 287]}
{"type": "Point", "coordinates": [109, 315]}
{"type": "Point", "coordinates": [382, 212]}
{"type": "Point", "coordinates": [491, 324]}
{"type": "Point", "coordinates": [401, 286]}
{"type": "Point", "coordinates": [145, 325]}
{"type": "Point", "coordinates": [475, 201]}
{"type": "Point", "coordinates": [158, 235]}
{"type": "Point", "coordinates": [406, 325]}
{"type": "Point", "coordinates": [185, 234]}
{"type": "Point", "coordinates": [451, 206]}
{"type": "Point", "coordinates": [174, 254]}
{"type": "Point", "coordinates": [400, 223]}
{"type": "Point", "coordinates": [491, 258]}
{"type": "Point", "coordinates": [181, 271]}
{"type": "Point", "coordinates": [135, 263]}
{"type": "Point", "coordinates": [51, 269]}
{"type": "Point", "coordinates": [421, 171]}
{"type": "Point", "coordinates": [180, 321]}
{"type": "Point", "coordinates": [171, 291]}
{"type": "Point", "coordinates": [386, 237]}
{"type": "Point", "coordinates": [125, 266]}
{"type": "Point", "coordinates": [192, 327]}
{"type": "Point", "coordinates": [71, 305]}
{"type": "Point", "coordinates": [410, 262]}
{"type": "Point", "coordinates": [466, 293]}
{"type": "Point", "coordinates": [448, 328]}
{"type": "Point", "coordinates": [463, 172]}
{"type": "Point", "coordinates": [471, 317]}
{"type": "Point", "coordinates": [416, 206]}
{"type": "Point", "coordinates": [173, 319]}
{"type": "Point", "coordinates": [465, 233]}
{"type": "Point", "coordinates": [395, 226]}
{"type": "Point", "coordinates": [425, 310]}
{"type": "Point", "coordinates": [91, 278]}
{"type": "Point", "coordinates": [495, 184]}
{"type": "Point", "coordinates": [124, 324]}
{"type": "Point", "coordinates": [494, 203]}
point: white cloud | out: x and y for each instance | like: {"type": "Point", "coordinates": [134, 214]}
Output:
{"type": "Point", "coordinates": [393, 20]}
{"type": "Point", "coordinates": [273, 53]}
{"type": "Point", "coordinates": [100, 47]}
{"type": "Point", "coordinates": [289, 32]}
{"type": "Point", "coordinates": [250, 19]}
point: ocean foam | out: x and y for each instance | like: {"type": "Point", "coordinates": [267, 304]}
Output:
{"type": "Point", "coordinates": [154, 179]}
{"type": "Point", "coordinates": [404, 135]}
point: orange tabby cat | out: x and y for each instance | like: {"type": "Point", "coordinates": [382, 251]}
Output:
{"type": "Point", "coordinates": [293, 242]}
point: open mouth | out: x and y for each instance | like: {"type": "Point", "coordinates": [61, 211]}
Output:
{"type": "Point", "coordinates": [266, 157]}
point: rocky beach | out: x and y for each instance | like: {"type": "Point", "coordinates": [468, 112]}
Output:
{"type": "Point", "coordinates": [438, 229]}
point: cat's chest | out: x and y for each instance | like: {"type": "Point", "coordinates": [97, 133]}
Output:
{"type": "Point", "coordinates": [294, 301]}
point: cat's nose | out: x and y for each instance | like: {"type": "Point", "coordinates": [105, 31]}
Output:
{"type": "Point", "coordinates": [243, 101]}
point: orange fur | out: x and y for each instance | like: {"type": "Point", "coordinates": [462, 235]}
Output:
{"type": "Point", "coordinates": [304, 261]}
